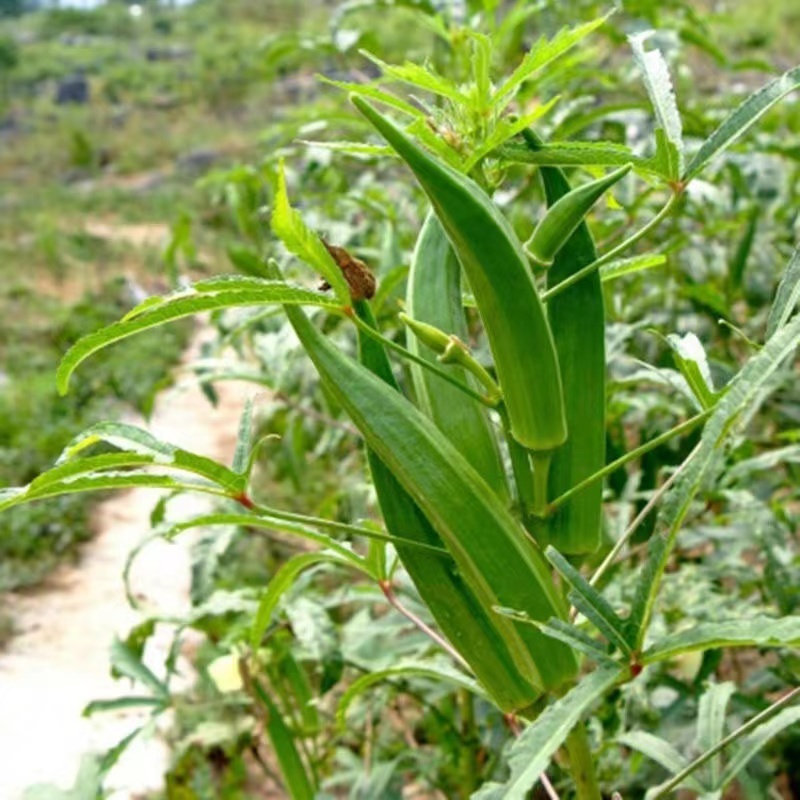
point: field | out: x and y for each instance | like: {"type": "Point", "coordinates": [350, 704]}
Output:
{"type": "Point", "coordinates": [514, 510]}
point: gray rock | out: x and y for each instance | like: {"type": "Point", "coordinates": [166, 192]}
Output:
{"type": "Point", "coordinates": [74, 89]}
{"type": "Point", "coordinates": [197, 161]}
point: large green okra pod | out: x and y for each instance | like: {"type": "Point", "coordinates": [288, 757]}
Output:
{"type": "Point", "coordinates": [496, 267]}
{"type": "Point", "coordinates": [490, 550]}
{"type": "Point", "coordinates": [434, 297]}
{"type": "Point", "coordinates": [577, 319]}
{"type": "Point", "coordinates": [469, 627]}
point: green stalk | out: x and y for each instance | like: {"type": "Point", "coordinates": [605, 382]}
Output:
{"type": "Point", "coordinates": [613, 253]}
{"type": "Point", "coordinates": [581, 764]}
{"type": "Point", "coordinates": [633, 455]}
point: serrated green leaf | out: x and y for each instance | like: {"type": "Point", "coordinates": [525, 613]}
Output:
{"type": "Point", "coordinates": [661, 752]}
{"type": "Point", "coordinates": [711, 712]}
{"type": "Point", "coordinates": [755, 632]}
{"type": "Point", "coordinates": [590, 602]}
{"type": "Point", "coordinates": [185, 304]}
{"type": "Point", "coordinates": [544, 52]}
{"type": "Point", "coordinates": [163, 454]}
{"type": "Point", "coordinates": [578, 154]}
{"type": "Point", "coordinates": [741, 119]}
{"type": "Point", "coordinates": [745, 390]}
{"type": "Point", "coordinates": [751, 745]}
{"type": "Point", "coordinates": [530, 754]}
{"type": "Point", "coordinates": [104, 481]}
{"type": "Point", "coordinates": [627, 266]}
{"type": "Point", "coordinates": [420, 77]}
{"type": "Point", "coordinates": [658, 82]}
{"type": "Point", "coordinates": [787, 295]}
{"type": "Point", "coordinates": [127, 663]}
{"type": "Point", "coordinates": [374, 93]}
{"type": "Point", "coordinates": [288, 226]}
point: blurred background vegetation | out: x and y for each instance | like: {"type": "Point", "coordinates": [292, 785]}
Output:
{"type": "Point", "coordinates": [136, 145]}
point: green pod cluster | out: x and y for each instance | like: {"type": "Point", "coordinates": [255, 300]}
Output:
{"type": "Point", "coordinates": [469, 627]}
{"type": "Point", "coordinates": [577, 319]}
{"type": "Point", "coordinates": [433, 298]}
{"type": "Point", "coordinates": [566, 214]}
{"type": "Point", "coordinates": [490, 550]}
{"type": "Point", "coordinates": [496, 267]}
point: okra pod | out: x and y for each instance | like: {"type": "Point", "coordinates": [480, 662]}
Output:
{"type": "Point", "coordinates": [433, 298]}
{"type": "Point", "coordinates": [469, 627]}
{"type": "Point", "coordinates": [490, 550]}
{"type": "Point", "coordinates": [577, 319]}
{"type": "Point", "coordinates": [509, 305]}
{"type": "Point", "coordinates": [566, 214]}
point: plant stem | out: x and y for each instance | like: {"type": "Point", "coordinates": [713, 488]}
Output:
{"type": "Point", "coordinates": [631, 529]}
{"type": "Point", "coordinates": [612, 254]}
{"type": "Point", "coordinates": [541, 469]}
{"type": "Point", "coordinates": [751, 724]}
{"type": "Point", "coordinates": [394, 602]}
{"type": "Point", "coordinates": [684, 427]}
{"type": "Point", "coordinates": [469, 736]}
{"type": "Point", "coordinates": [581, 764]}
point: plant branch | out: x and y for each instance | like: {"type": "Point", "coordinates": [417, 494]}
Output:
{"type": "Point", "coordinates": [640, 517]}
{"type": "Point", "coordinates": [633, 455]}
{"type": "Point", "coordinates": [394, 602]}
{"type": "Point", "coordinates": [615, 252]}
{"type": "Point", "coordinates": [748, 726]}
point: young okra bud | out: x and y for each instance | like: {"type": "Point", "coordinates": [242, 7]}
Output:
{"type": "Point", "coordinates": [451, 350]}
{"type": "Point", "coordinates": [564, 216]}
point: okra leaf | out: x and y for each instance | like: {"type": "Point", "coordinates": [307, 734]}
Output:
{"type": "Point", "coordinates": [123, 703]}
{"type": "Point", "coordinates": [661, 752]}
{"type": "Point", "coordinates": [420, 77]}
{"type": "Point", "coordinates": [530, 754]}
{"type": "Point", "coordinates": [556, 628]}
{"type": "Point", "coordinates": [742, 393]}
{"type": "Point", "coordinates": [373, 92]}
{"type": "Point", "coordinates": [280, 583]}
{"type": "Point", "coordinates": [628, 266]}
{"type": "Point", "coordinates": [787, 296]}
{"type": "Point", "coordinates": [288, 226]}
{"type": "Point", "coordinates": [711, 722]}
{"type": "Point", "coordinates": [101, 482]}
{"type": "Point", "coordinates": [126, 663]}
{"type": "Point", "coordinates": [185, 304]}
{"type": "Point", "coordinates": [268, 522]}
{"type": "Point", "coordinates": [437, 670]}
{"type": "Point", "coordinates": [741, 119]}
{"type": "Point", "coordinates": [590, 602]}
{"type": "Point", "coordinates": [755, 632]}
{"type": "Point", "coordinates": [244, 441]}
{"type": "Point", "coordinates": [163, 454]}
{"type": "Point", "coordinates": [752, 744]}
{"type": "Point", "coordinates": [292, 769]}
{"type": "Point", "coordinates": [544, 52]}
{"type": "Point", "coordinates": [577, 154]}
{"type": "Point", "coordinates": [658, 83]}
{"type": "Point", "coordinates": [691, 360]}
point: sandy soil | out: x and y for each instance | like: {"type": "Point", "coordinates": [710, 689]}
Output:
{"type": "Point", "coordinates": [59, 662]}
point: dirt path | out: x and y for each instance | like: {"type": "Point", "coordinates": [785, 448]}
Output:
{"type": "Point", "coordinates": [59, 662]}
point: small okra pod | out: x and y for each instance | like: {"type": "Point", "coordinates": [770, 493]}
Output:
{"type": "Point", "coordinates": [510, 308]}
{"type": "Point", "coordinates": [577, 319]}
{"type": "Point", "coordinates": [451, 350]}
{"type": "Point", "coordinates": [565, 215]}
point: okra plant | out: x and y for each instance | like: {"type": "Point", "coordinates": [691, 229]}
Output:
{"type": "Point", "coordinates": [488, 459]}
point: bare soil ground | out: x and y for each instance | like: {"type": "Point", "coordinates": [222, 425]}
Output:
{"type": "Point", "coordinates": [59, 661]}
